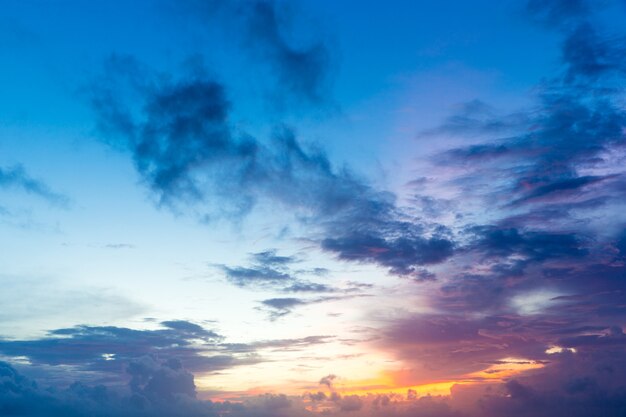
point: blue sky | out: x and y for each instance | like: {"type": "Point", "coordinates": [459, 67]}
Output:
{"type": "Point", "coordinates": [301, 207]}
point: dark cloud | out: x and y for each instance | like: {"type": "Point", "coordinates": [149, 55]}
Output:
{"type": "Point", "coordinates": [186, 150]}
{"type": "Point", "coordinates": [589, 385]}
{"type": "Point", "coordinates": [533, 246]}
{"type": "Point", "coordinates": [401, 255]}
{"type": "Point", "coordinates": [101, 352]}
{"type": "Point", "coordinates": [279, 307]}
{"type": "Point", "coordinates": [533, 273]}
{"type": "Point", "coordinates": [267, 270]}
{"type": "Point", "coordinates": [439, 347]}
{"type": "Point", "coordinates": [184, 137]}
{"type": "Point", "coordinates": [543, 177]}
{"type": "Point", "coordinates": [613, 336]}
{"type": "Point", "coordinates": [250, 276]}
{"type": "Point", "coordinates": [17, 177]}
{"type": "Point", "coordinates": [312, 287]}
{"type": "Point", "coordinates": [293, 344]}
{"type": "Point", "coordinates": [166, 389]}
{"type": "Point", "coordinates": [557, 12]}
{"type": "Point", "coordinates": [140, 371]}
{"type": "Point", "coordinates": [160, 382]}
{"type": "Point", "coordinates": [302, 72]}
{"type": "Point", "coordinates": [155, 389]}
{"type": "Point", "coordinates": [328, 380]}
{"type": "Point", "coordinates": [276, 401]}
{"type": "Point", "coordinates": [589, 56]}
{"type": "Point", "coordinates": [350, 403]}
{"type": "Point", "coordinates": [269, 35]}
{"type": "Point", "coordinates": [443, 347]}
{"type": "Point", "coordinates": [576, 384]}
{"type": "Point", "coordinates": [560, 188]}
{"type": "Point", "coordinates": [270, 257]}
{"type": "Point", "coordinates": [534, 282]}
{"type": "Point", "coordinates": [577, 123]}
{"type": "Point", "coordinates": [283, 303]}
{"type": "Point", "coordinates": [270, 271]}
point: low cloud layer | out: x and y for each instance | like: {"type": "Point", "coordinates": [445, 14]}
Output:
{"type": "Point", "coordinates": [157, 387]}
{"type": "Point", "coordinates": [101, 353]}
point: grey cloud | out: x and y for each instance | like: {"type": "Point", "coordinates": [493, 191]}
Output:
{"type": "Point", "coordinates": [242, 276]}
{"type": "Point", "coordinates": [102, 351]}
{"type": "Point", "coordinates": [566, 387]}
{"type": "Point", "coordinates": [561, 187]}
{"type": "Point", "coordinates": [402, 254]}
{"type": "Point", "coordinates": [273, 272]}
{"type": "Point", "coordinates": [576, 122]}
{"type": "Point", "coordinates": [270, 257]}
{"type": "Point", "coordinates": [187, 152]}
{"type": "Point", "coordinates": [294, 73]}
{"type": "Point", "coordinates": [109, 355]}
{"type": "Point", "coordinates": [545, 175]}
{"type": "Point", "coordinates": [534, 246]}
{"type": "Point", "coordinates": [350, 403]}
{"type": "Point", "coordinates": [292, 344]}
{"type": "Point", "coordinates": [159, 392]}
{"type": "Point", "coordinates": [279, 307]}
{"type": "Point", "coordinates": [304, 71]}
{"type": "Point", "coordinates": [328, 380]}
{"type": "Point", "coordinates": [589, 56]}
{"type": "Point", "coordinates": [309, 287]}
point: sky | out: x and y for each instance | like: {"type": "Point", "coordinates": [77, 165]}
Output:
{"type": "Point", "coordinates": [272, 208]}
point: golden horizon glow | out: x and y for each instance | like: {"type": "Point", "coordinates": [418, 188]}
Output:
{"type": "Point", "coordinates": [385, 383]}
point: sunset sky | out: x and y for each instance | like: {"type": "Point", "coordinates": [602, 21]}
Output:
{"type": "Point", "coordinates": [258, 208]}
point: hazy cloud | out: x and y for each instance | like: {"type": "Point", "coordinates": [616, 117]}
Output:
{"type": "Point", "coordinates": [17, 177]}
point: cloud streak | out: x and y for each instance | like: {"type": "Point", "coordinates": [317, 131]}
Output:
{"type": "Point", "coordinates": [281, 306]}
{"type": "Point", "coordinates": [293, 73]}
{"type": "Point", "coordinates": [103, 351]}
{"type": "Point", "coordinates": [17, 177]}
{"type": "Point", "coordinates": [270, 271]}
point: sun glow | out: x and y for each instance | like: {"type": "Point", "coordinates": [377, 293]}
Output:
{"type": "Point", "coordinates": [558, 349]}
{"type": "Point", "coordinates": [387, 383]}
{"type": "Point", "coordinates": [506, 368]}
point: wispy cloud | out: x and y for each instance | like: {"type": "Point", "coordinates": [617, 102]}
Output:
{"type": "Point", "coordinates": [281, 306]}
{"type": "Point", "coordinates": [270, 271]}
{"type": "Point", "coordinates": [294, 73]}
{"type": "Point", "coordinates": [189, 155]}
{"type": "Point", "coordinates": [16, 177]}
